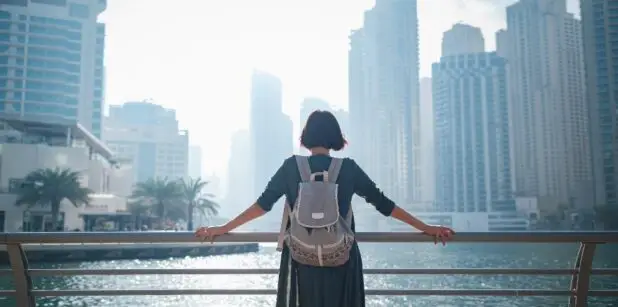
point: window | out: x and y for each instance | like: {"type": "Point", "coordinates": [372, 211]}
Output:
{"type": "Point", "coordinates": [15, 2]}
{"type": "Point", "coordinates": [79, 10]}
{"type": "Point", "coordinates": [51, 2]}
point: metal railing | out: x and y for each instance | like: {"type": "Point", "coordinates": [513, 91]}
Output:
{"type": "Point", "coordinates": [578, 292]}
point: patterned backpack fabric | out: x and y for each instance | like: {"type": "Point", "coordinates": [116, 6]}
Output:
{"type": "Point", "coordinates": [318, 235]}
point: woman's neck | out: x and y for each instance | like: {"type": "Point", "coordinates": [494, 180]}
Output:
{"type": "Point", "coordinates": [319, 151]}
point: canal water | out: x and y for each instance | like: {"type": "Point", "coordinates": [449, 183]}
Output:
{"type": "Point", "coordinates": [374, 256]}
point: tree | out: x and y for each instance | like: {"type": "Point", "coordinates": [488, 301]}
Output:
{"type": "Point", "coordinates": [195, 199]}
{"type": "Point", "coordinates": [49, 187]}
{"type": "Point", "coordinates": [139, 210]}
{"type": "Point", "coordinates": [157, 193]}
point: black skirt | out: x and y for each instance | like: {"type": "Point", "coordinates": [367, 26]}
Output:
{"type": "Point", "coordinates": [307, 286]}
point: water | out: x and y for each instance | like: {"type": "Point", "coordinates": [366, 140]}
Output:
{"type": "Point", "coordinates": [374, 256]}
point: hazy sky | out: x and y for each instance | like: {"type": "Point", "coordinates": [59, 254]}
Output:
{"type": "Point", "coordinates": [197, 55]}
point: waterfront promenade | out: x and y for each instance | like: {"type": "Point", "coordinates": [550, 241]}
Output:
{"type": "Point", "coordinates": [510, 269]}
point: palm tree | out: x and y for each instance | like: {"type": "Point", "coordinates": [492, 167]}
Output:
{"type": "Point", "coordinates": [49, 187]}
{"type": "Point", "coordinates": [195, 199]}
{"type": "Point", "coordinates": [157, 193]}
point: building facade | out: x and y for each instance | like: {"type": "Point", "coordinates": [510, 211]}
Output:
{"type": "Point", "coordinates": [543, 46]}
{"type": "Point", "coordinates": [473, 171]}
{"type": "Point", "coordinates": [384, 98]}
{"type": "Point", "coordinates": [147, 135]}
{"type": "Point", "coordinates": [60, 144]}
{"type": "Point", "coordinates": [462, 39]}
{"type": "Point", "coordinates": [601, 60]}
{"type": "Point", "coordinates": [51, 60]}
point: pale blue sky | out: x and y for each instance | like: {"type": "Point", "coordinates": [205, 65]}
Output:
{"type": "Point", "coordinates": [197, 55]}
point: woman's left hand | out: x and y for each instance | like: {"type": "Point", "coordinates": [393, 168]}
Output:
{"type": "Point", "coordinates": [210, 233]}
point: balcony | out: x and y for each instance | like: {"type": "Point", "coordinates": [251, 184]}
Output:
{"type": "Point", "coordinates": [577, 294]}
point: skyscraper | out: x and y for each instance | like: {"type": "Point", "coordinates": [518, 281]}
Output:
{"type": "Point", "coordinates": [270, 134]}
{"type": "Point", "coordinates": [384, 98]}
{"type": "Point", "coordinates": [462, 39]}
{"type": "Point", "coordinates": [549, 113]}
{"type": "Point", "coordinates": [147, 135]}
{"type": "Point", "coordinates": [473, 172]}
{"type": "Point", "coordinates": [601, 61]}
{"type": "Point", "coordinates": [51, 60]}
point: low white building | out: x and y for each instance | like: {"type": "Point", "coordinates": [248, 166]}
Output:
{"type": "Point", "coordinates": [59, 144]}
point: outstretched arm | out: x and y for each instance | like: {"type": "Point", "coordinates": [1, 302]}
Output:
{"type": "Point", "coordinates": [403, 215]}
{"type": "Point", "coordinates": [274, 190]}
{"type": "Point", "coordinates": [367, 189]}
{"type": "Point", "coordinates": [250, 214]}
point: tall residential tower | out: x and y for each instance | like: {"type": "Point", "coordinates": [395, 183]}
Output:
{"type": "Point", "coordinates": [51, 60]}
{"type": "Point", "coordinates": [601, 60]}
{"type": "Point", "coordinates": [473, 172]}
{"type": "Point", "coordinates": [384, 98]}
{"type": "Point", "coordinates": [549, 114]}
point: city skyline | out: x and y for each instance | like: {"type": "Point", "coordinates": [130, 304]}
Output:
{"type": "Point", "coordinates": [401, 107]}
{"type": "Point", "coordinates": [325, 44]}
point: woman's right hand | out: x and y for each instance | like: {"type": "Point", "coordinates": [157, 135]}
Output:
{"type": "Point", "coordinates": [439, 233]}
{"type": "Point", "coordinates": [210, 233]}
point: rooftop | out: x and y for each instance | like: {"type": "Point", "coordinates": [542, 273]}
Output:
{"type": "Point", "coordinates": [55, 127]}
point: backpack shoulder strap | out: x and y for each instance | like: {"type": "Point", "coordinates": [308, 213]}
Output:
{"type": "Point", "coordinates": [334, 168]}
{"type": "Point", "coordinates": [303, 167]}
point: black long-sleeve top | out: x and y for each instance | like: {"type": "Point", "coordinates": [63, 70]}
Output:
{"type": "Point", "coordinates": [352, 180]}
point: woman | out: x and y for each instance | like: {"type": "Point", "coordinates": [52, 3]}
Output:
{"type": "Point", "coordinates": [309, 286]}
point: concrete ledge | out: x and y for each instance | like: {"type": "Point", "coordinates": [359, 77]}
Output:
{"type": "Point", "coordinates": [62, 253]}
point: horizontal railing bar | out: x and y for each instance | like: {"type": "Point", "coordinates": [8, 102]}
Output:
{"type": "Point", "coordinates": [5, 293]}
{"type": "Point", "coordinates": [410, 271]}
{"type": "Point", "coordinates": [381, 292]}
{"type": "Point", "coordinates": [612, 271]}
{"type": "Point", "coordinates": [385, 237]}
{"type": "Point", "coordinates": [603, 293]}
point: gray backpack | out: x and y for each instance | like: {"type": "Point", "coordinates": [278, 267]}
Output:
{"type": "Point", "coordinates": [318, 235]}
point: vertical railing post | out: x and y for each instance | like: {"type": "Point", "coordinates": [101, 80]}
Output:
{"type": "Point", "coordinates": [21, 277]}
{"type": "Point", "coordinates": [580, 281]}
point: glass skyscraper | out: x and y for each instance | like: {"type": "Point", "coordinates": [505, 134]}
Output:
{"type": "Point", "coordinates": [51, 60]}
{"type": "Point", "coordinates": [472, 153]}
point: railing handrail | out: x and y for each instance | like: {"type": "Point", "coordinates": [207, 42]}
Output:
{"type": "Point", "coordinates": [268, 237]}
{"type": "Point", "coordinates": [578, 292]}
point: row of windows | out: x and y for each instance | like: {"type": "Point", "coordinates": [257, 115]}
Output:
{"type": "Point", "coordinates": [40, 108]}
{"type": "Point", "coordinates": [73, 68]}
{"type": "Point", "coordinates": [72, 35]}
{"type": "Point", "coordinates": [76, 10]}
{"type": "Point", "coordinates": [54, 87]}
{"type": "Point", "coordinates": [53, 98]}
{"type": "Point", "coordinates": [51, 75]}
{"type": "Point", "coordinates": [52, 53]}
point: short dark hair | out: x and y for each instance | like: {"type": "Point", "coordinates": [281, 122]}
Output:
{"type": "Point", "coordinates": [322, 130]}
